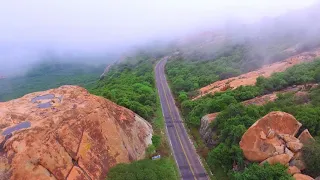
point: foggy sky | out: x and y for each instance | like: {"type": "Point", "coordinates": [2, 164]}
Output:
{"type": "Point", "coordinates": [28, 27]}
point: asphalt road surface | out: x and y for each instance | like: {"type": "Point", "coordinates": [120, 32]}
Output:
{"type": "Point", "coordinates": [185, 155]}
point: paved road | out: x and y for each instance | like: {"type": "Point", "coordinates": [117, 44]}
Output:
{"type": "Point", "coordinates": [185, 155]}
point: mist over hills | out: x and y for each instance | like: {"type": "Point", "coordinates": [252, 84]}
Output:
{"type": "Point", "coordinates": [269, 40]}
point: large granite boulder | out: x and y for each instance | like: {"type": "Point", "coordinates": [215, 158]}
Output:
{"type": "Point", "coordinates": [272, 139]}
{"type": "Point", "coordinates": [67, 133]}
{"type": "Point", "coordinates": [257, 148]}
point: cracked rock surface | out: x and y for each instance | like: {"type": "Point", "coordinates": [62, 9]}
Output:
{"type": "Point", "coordinates": [273, 139]}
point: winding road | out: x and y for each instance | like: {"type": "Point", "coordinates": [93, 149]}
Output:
{"type": "Point", "coordinates": [185, 155]}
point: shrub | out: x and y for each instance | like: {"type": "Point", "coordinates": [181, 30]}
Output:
{"type": "Point", "coordinates": [265, 172]}
{"type": "Point", "coordinates": [156, 141]}
{"type": "Point", "coordinates": [144, 169]}
{"type": "Point", "coordinates": [311, 157]}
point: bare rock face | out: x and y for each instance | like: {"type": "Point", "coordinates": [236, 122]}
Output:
{"type": "Point", "coordinates": [290, 153]}
{"type": "Point", "coordinates": [67, 133]}
{"type": "Point", "coordinates": [206, 132]}
{"type": "Point", "coordinates": [305, 137]}
{"type": "Point", "coordinates": [302, 177]}
{"type": "Point", "coordinates": [289, 138]}
{"type": "Point", "coordinates": [293, 170]}
{"type": "Point", "coordinates": [294, 146]}
{"type": "Point", "coordinates": [281, 158]}
{"type": "Point", "coordinates": [257, 148]}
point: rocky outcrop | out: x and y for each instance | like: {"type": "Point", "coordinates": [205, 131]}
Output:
{"type": "Point", "coordinates": [250, 78]}
{"type": "Point", "coordinates": [207, 133]}
{"type": "Point", "coordinates": [305, 137]}
{"type": "Point", "coordinates": [261, 100]}
{"type": "Point", "coordinates": [302, 177]}
{"type": "Point", "coordinates": [272, 139]}
{"type": "Point", "coordinates": [67, 133]}
{"type": "Point", "coordinates": [258, 149]}
{"type": "Point", "coordinates": [300, 92]}
{"type": "Point", "coordinates": [281, 158]}
{"type": "Point", "coordinates": [293, 170]}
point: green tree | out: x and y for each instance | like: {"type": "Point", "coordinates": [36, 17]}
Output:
{"type": "Point", "coordinates": [183, 96]}
{"type": "Point", "coordinates": [225, 156]}
{"type": "Point", "coordinates": [156, 140]}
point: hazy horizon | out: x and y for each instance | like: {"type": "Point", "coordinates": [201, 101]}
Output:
{"type": "Point", "coordinates": [31, 28]}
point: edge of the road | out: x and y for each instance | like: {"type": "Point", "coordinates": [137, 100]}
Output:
{"type": "Point", "coordinates": [168, 138]}
{"type": "Point", "coordinates": [201, 160]}
{"type": "Point", "coordinates": [188, 132]}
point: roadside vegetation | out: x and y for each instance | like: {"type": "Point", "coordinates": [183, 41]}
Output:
{"type": "Point", "coordinates": [47, 75]}
{"type": "Point", "coordinates": [144, 169]}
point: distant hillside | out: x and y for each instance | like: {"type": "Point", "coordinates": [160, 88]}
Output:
{"type": "Point", "coordinates": [270, 40]}
{"type": "Point", "coordinates": [214, 55]}
{"type": "Point", "coordinates": [47, 75]}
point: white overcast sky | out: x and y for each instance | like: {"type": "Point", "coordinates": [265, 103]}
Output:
{"type": "Point", "coordinates": [114, 23]}
{"type": "Point", "coordinates": [30, 27]}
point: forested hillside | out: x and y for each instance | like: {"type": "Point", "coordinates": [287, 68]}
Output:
{"type": "Point", "coordinates": [131, 84]}
{"type": "Point", "coordinates": [187, 75]}
{"type": "Point", "coordinates": [49, 74]}
{"type": "Point", "coordinates": [233, 50]}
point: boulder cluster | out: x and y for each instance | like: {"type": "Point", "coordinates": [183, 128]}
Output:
{"type": "Point", "coordinates": [273, 139]}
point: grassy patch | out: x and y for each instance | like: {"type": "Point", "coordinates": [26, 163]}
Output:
{"type": "Point", "coordinates": [144, 169]}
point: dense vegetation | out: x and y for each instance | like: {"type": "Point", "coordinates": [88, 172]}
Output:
{"type": "Point", "coordinates": [47, 75]}
{"type": "Point", "coordinates": [187, 76]}
{"type": "Point", "coordinates": [265, 172]}
{"type": "Point", "coordinates": [131, 84]}
{"type": "Point", "coordinates": [144, 169]}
